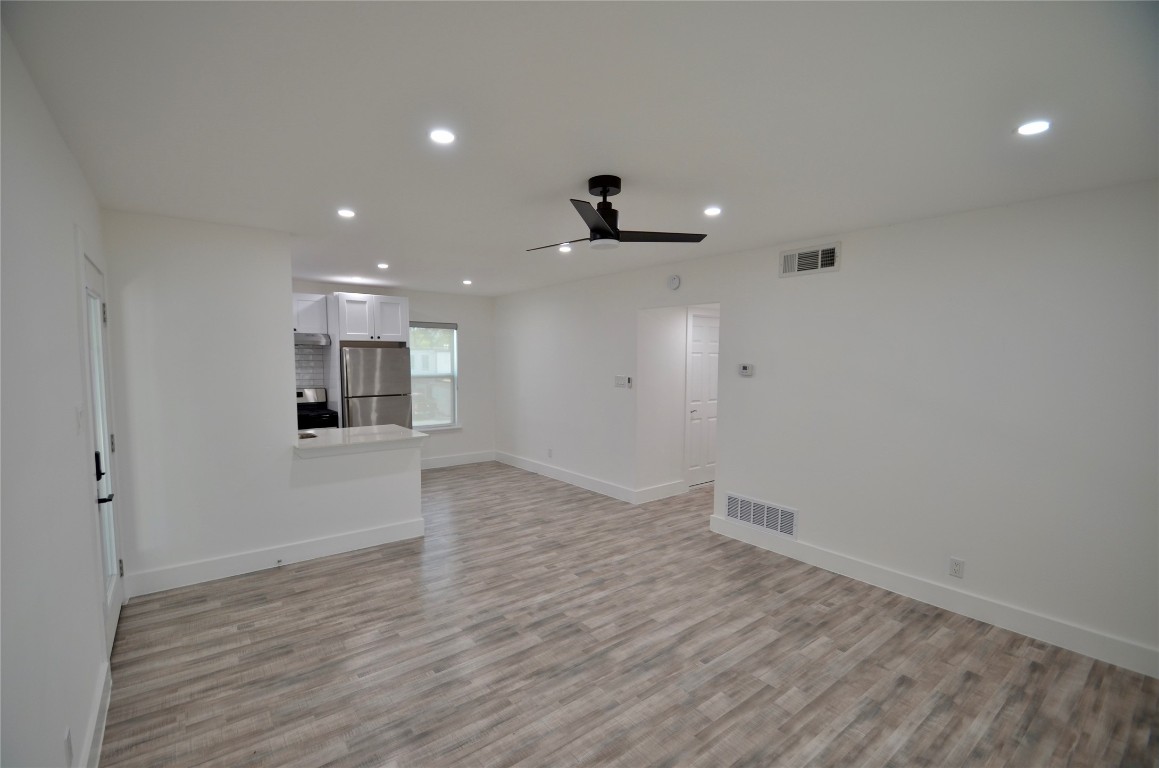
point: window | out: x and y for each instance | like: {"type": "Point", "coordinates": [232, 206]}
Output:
{"type": "Point", "coordinates": [434, 374]}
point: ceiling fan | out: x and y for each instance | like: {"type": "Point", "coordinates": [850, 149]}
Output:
{"type": "Point", "coordinates": [603, 220]}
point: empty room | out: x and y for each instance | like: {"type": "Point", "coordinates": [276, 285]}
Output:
{"type": "Point", "coordinates": [579, 383]}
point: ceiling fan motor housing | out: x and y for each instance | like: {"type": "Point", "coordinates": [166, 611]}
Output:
{"type": "Point", "coordinates": [604, 187]}
{"type": "Point", "coordinates": [609, 214]}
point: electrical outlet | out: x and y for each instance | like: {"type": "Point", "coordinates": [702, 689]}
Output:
{"type": "Point", "coordinates": [957, 568]}
{"type": "Point", "coordinates": [68, 746]}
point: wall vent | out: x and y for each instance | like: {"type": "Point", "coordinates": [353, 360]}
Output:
{"type": "Point", "coordinates": [818, 258]}
{"type": "Point", "coordinates": [780, 520]}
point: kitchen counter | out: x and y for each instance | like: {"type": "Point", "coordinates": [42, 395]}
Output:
{"type": "Point", "coordinates": [336, 441]}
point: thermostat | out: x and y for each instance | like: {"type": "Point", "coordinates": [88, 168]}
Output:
{"type": "Point", "coordinates": [745, 369]}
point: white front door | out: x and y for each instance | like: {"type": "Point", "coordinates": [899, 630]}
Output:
{"type": "Point", "coordinates": [103, 487]}
{"type": "Point", "coordinates": [700, 432]}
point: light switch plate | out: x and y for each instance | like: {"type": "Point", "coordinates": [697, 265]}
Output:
{"type": "Point", "coordinates": [745, 369]}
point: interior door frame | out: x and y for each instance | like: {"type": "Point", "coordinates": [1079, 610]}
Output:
{"type": "Point", "coordinates": [114, 595]}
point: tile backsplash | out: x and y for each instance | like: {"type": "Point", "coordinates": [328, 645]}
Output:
{"type": "Point", "coordinates": [310, 366]}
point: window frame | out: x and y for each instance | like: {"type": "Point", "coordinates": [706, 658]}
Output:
{"type": "Point", "coordinates": [454, 376]}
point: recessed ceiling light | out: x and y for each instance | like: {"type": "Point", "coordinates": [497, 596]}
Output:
{"type": "Point", "coordinates": [565, 248]}
{"type": "Point", "coordinates": [712, 211]}
{"type": "Point", "coordinates": [383, 266]}
{"type": "Point", "coordinates": [466, 282]}
{"type": "Point", "coordinates": [346, 213]}
{"type": "Point", "coordinates": [442, 136]}
{"type": "Point", "coordinates": [1034, 127]}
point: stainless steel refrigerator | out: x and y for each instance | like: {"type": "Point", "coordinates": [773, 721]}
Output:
{"type": "Point", "coordinates": [375, 384]}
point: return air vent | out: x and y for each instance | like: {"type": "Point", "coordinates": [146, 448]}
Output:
{"type": "Point", "coordinates": [819, 258]}
{"type": "Point", "coordinates": [776, 519]}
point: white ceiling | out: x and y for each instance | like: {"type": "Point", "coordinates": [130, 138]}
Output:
{"type": "Point", "coordinates": [798, 119]}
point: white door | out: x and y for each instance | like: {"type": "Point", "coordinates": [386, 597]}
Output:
{"type": "Point", "coordinates": [103, 465]}
{"type": "Point", "coordinates": [700, 430]}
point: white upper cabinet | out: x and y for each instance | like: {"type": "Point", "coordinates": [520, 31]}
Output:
{"type": "Point", "coordinates": [367, 317]}
{"type": "Point", "coordinates": [309, 313]}
{"type": "Point", "coordinates": [354, 317]}
{"type": "Point", "coordinates": [391, 316]}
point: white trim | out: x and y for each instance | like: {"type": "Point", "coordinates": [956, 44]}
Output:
{"type": "Point", "coordinates": [1089, 642]}
{"type": "Point", "coordinates": [619, 492]}
{"type": "Point", "coordinates": [171, 577]}
{"type": "Point", "coordinates": [574, 478]}
{"type": "Point", "coordinates": [91, 753]}
{"type": "Point", "coordinates": [663, 491]}
{"type": "Point", "coordinates": [438, 462]}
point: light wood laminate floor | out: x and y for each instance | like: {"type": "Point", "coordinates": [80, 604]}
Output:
{"type": "Point", "coordinates": [539, 624]}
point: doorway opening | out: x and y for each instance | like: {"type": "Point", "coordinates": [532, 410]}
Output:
{"type": "Point", "coordinates": [677, 355]}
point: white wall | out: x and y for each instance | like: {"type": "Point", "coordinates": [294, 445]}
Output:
{"type": "Point", "coordinates": [53, 655]}
{"type": "Point", "coordinates": [210, 487]}
{"type": "Point", "coordinates": [659, 382]}
{"type": "Point", "coordinates": [983, 385]}
{"type": "Point", "coordinates": [559, 351]}
{"type": "Point", "coordinates": [474, 440]}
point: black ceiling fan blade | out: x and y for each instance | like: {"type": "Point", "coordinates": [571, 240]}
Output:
{"type": "Point", "coordinates": [593, 219]}
{"type": "Point", "coordinates": [553, 245]}
{"type": "Point", "coordinates": [628, 236]}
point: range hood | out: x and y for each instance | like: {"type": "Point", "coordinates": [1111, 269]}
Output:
{"type": "Point", "coordinates": [311, 339]}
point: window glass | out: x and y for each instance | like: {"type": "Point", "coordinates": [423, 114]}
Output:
{"type": "Point", "coordinates": [434, 374]}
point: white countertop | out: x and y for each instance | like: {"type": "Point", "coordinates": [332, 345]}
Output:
{"type": "Point", "coordinates": [334, 440]}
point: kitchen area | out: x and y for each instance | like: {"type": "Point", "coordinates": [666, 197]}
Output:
{"type": "Point", "coordinates": [352, 361]}
{"type": "Point", "coordinates": [353, 391]}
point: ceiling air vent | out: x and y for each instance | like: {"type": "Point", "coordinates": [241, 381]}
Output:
{"type": "Point", "coordinates": [780, 520]}
{"type": "Point", "coordinates": [819, 258]}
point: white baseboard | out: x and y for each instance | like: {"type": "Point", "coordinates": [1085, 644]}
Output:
{"type": "Point", "coordinates": [95, 738]}
{"type": "Point", "coordinates": [657, 492]}
{"type": "Point", "coordinates": [574, 478]}
{"type": "Point", "coordinates": [1089, 642]}
{"type": "Point", "coordinates": [438, 462]}
{"type": "Point", "coordinates": [184, 574]}
{"type": "Point", "coordinates": [641, 496]}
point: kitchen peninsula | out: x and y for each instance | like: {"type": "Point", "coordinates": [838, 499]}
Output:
{"type": "Point", "coordinates": [367, 477]}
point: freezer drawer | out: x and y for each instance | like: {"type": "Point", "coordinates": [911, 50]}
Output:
{"type": "Point", "coordinates": [369, 411]}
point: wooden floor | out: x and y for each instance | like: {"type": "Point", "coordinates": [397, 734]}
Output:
{"type": "Point", "coordinates": [543, 625]}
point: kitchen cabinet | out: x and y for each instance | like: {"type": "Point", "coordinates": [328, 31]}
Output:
{"type": "Point", "coordinates": [310, 313]}
{"type": "Point", "coordinates": [369, 317]}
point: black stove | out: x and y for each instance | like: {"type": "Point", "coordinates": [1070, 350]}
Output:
{"type": "Point", "coordinates": [312, 410]}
